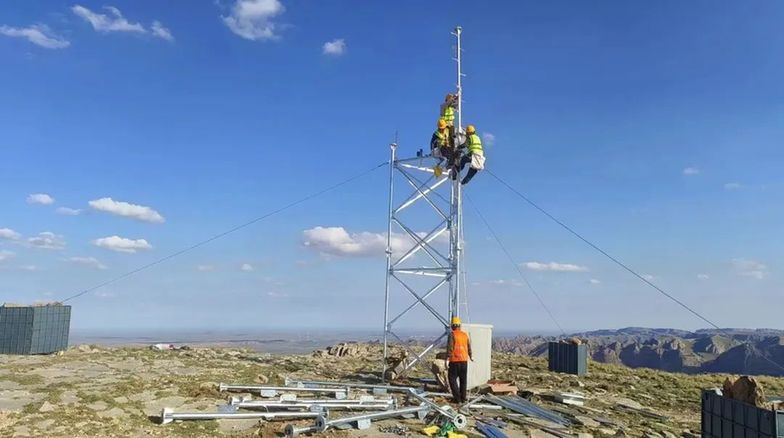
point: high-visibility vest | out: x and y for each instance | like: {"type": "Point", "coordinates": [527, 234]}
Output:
{"type": "Point", "coordinates": [443, 136]}
{"type": "Point", "coordinates": [475, 144]}
{"type": "Point", "coordinates": [459, 347]}
{"type": "Point", "coordinates": [449, 114]}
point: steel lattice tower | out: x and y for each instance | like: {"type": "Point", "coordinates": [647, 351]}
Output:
{"type": "Point", "coordinates": [424, 248]}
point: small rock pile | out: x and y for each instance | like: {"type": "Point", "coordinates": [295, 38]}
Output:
{"type": "Point", "coordinates": [345, 349]}
{"type": "Point", "coordinates": [397, 429]}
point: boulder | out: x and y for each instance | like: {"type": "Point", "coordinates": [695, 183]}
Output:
{"type": "Point", "coordinates": [440, 370]}
{"type": "Point", "coordinates": [745, 389]}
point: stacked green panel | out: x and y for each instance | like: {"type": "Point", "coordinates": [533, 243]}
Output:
{"type": "Point", "coordinates": [568, 358]}
{"type": "Point", "coordinates": [34, 329]}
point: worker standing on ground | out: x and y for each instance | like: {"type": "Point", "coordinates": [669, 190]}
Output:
{"type": "Point", "coordinates": [458, 351]}
{"type": "Point", "coordinates": [439, 146]}
{"type": "Point", "coordinates": [475, 155]}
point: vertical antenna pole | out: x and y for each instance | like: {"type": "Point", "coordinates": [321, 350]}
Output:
{"type": "Point", "coordinates": [393, 149]}
{"type": "Point", "coordinates": [458, 33]}
{"type": "Point", "coordinates": [457, 201]}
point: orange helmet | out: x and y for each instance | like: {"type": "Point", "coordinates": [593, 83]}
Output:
{"type": "Point", "coordinates": [470, 129]}
{"type": "Point", "coordinates": [441, 124]}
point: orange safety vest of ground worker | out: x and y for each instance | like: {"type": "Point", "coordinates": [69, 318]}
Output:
{"type": "Point", "coordinates": [459, 352]}
{"type": "Point", "coordinates": [460, 345]}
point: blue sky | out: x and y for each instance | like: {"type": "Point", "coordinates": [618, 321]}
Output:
{"type": "Point", "coordinates": [653, 128]}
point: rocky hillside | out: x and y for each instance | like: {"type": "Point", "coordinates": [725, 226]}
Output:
{"type": "Point", "coordinates": [730, 351]}
{"type": "Point", "coordinates": [119, 392]}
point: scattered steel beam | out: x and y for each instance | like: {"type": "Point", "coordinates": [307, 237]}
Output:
{"type": "Point", "coordinates": [525, 407]}
{"type": "Point", "coordinates": [303, 405]}
{"type": "Point", "coordinates": [327, 383]}
{"type": "Point", "coordinates": [468, 405]}
{"type": "Point", "coordinates": [168, 415]}
{"type": "Point", "coordinates": [272, 391]}
{"type": "Point", "coordinates": [363, 400]}
{"type": "Point", "coordinates": [490, 431]}
{"type": "Point", "coordinates": [459, 420]}
{"type": "Point", "coordinates": [362, 421]}
{"type": "Point", "coordinates": [480, 406]}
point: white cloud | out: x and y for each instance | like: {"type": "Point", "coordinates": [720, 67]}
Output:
{"type": "Point", "coordinates": [205, 268]}
{"type": "Point", "coordinates": [6, 255]}
{"type": "Point", "coordinates": [28, 268]}
{"type": "Point", "coordinates": [47, 240]}
{"type": "Point", "coordinates": [594, 281]}
{"type": "Point", "coordinates": [38, 34]}
{"type": "Point", "coordinates": [733, 186]}
{"type": "Point", "coordinates": [750, 268]}
{"type": "Point", "coordinates": [703, 276]}
{"type": "Point", "coordinates": [121, 244]}
{"type": "Point", "coordinates": [691, 171]}
{"type": "Point", "coordinates": [502, 282]}
{"type": "Point", "coordinates": [252, 19]}
{"type": "Point", "coordinates": [555, 267]}
{"type": "Point", "coordinates": [157, 29]}
{"type": "Point", "coordinates": [246, 267]}
{"type": "Point", "coordinates": [66, 211]}
{"type": "Point", "coordinates": [9, 234]}
{"type": "Point", "coordinates": [88, 262]}
{"type": "Point", "coordinates": [335, 47]}
{"type": "Point", "coordinates": [488, 139]}
{"type": "Point", "coordinates": [119, 208]}
{"type": "Point", "coordinates": [113, 22]}
{"type": "Point", "coordinates": [40, 198]}
{"type": "Point", "coordinates": [648, 277]}
{"type": "Point", "coordinates": [337, 241]}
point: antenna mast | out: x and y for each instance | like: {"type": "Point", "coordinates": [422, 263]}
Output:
{"type": "Point", "coordinates": [423, 258]}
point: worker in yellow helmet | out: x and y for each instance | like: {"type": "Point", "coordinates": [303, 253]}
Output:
{"type": "Point", "coordinates": [439, 146]}
{"type": "Point", "coordinates": [458, 352]}
{"type": "Point", "coordinates": [475, 155]}
{"type": "Point", "coordinates": [448, 114]}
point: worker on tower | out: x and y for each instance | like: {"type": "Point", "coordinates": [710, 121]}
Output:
{"type": "Point", "coordinates": [439, 146]}
{"type": "Point", "coordinates": [458, 351]}
{"type": "Point", "coordinates": [448, 114]}
{"type": "Point", "coordinates": [475, 155]}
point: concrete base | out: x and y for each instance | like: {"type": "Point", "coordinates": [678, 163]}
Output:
{"type": "Point", "coordinates": [480, 370]}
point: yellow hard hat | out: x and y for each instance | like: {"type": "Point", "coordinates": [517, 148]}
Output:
{"type": "Point", "coordinates": [449, 96]}
{"type": "Point", "coordinates": [470, 129]}
{"type": "Point", "coordinates": [455, 320]}
{"type": "Point", "coordinates": [441, 123]}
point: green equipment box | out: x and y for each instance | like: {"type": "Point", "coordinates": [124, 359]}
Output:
{"type": "Point", "coordinates": [34, 329]}
{"type": "Point", "coordinates": [723, 417]}
{"type": "Point", "coordinates": [567, 358]}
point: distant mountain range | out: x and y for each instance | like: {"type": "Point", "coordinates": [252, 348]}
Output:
{"type": "Point", "coordinates": [736, 351]}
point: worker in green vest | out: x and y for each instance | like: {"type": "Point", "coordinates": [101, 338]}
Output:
{"type": "Point", "coordinates": [439, 146]}
{"type": "Point", "coordinates": [475, 155]}
{"type": "Point", "coordinates": [448, 114]}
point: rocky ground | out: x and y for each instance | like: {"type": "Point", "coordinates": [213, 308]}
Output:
{"type": "Point", "coordinates": [119, 392]}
